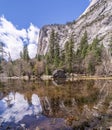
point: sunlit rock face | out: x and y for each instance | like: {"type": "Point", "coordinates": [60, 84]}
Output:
{"type": "Point", "coordinates": [14, 107]}
{"type": "Point", "coordinates": [96, 20]}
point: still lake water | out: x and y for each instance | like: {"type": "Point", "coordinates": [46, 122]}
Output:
{"type": "Point", "coordinates": [78, 105]}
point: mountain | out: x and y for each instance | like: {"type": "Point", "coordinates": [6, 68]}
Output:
{"type": "Point", "coordinates": [96, 21]}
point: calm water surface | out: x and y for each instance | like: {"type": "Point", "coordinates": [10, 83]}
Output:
{"type": "Point", "coordinates": [78, 105]}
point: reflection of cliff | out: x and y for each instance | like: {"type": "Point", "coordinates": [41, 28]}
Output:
{"type": "Point", "coordinates": [63, 107]}
{"type": "Point", "coordinates": [88, 100]}
{"type": "Point", "coordinates": [105, 96]}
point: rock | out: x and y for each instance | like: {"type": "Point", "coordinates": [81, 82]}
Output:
{"type": "Point", "coordinates": [58, 74]}
{"type": "Point", "coordinates": [96, 20]}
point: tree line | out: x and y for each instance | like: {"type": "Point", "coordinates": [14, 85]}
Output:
{"type": "Point", "coordinates": [82, 60]}
{"type": "Point", "coordinates": [67, 57]}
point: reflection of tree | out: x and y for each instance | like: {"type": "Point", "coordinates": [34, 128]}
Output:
{"type": "Point", "coordinates": [105, 91]}
{"type": "Point", "coordinates": [8, 100]}
{"type": "Point", "coordinates": [3, 53]}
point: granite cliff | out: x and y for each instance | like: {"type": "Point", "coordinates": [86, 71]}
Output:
{"type": "Point", "coordinates": [96, 21]}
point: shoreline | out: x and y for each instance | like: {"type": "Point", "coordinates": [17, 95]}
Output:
{"type": "Point", "coordinates": [49, 77]}
{"type": "Point", "coordinates": [73, 78]}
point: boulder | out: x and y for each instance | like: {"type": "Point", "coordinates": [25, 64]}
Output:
{"type": "Point", "coordinates": [58, 74]}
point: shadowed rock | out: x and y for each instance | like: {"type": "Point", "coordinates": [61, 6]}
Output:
{"type": "Point", "coordinates": [59, 74]}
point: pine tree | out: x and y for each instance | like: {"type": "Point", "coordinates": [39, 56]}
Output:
{"type": "Point", "coordinates": [25, 53]}
{"type": "Point", "coordinates": [84, 45]}
{"type": "Point", "coordinates": [69, 53]}
{"type": "Point", "coordinates": [54, 49]}
{"type": "Point", "coordinates": [51, 45]}
{"type": "Point", "coordinates": [56, 52]}
{"type": "Point", "coordinates": [62, 58]}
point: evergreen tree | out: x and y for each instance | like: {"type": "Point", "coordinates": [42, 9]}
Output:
{"type": "Point", "coordinates": [96, 49]}
{"type": "Point", "coordinates": [25, 53]}
{"type": "Point", "coordinates": [54, 49]}
{"type": "Point", "coordinates": [62, 58]}
{"type": "Point", "coordinates": [51, 45]}
{"type": "Point", "coordinates": [91, 68]}
{"type": "Point", "coordinates": [69, 53]}
{"type": "Point", "coordinates": [1, 51]}
{"type": "Point", "coordinates": [39, 57]}
{"type": "Point", "coordinates": [84, 45]}
{"type": "Point", "coordinates": [66, 52]}
{"type": "Point", "coordinates": [56, 52]}
{"type": "Point", "coordinates": [47, 65]}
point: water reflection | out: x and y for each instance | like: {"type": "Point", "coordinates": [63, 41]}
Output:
{"type": "Point", "coordinates": [14, 107]}
{"type": "Point", "coordinates": [70, 105]}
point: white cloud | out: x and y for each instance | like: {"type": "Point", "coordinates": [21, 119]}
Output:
{"type": "Point", "coordinates": [14, 39]}
{"type": "Point", "coordinates": [33, 34]}
{"type": "Point", "coordinates": [32, 49]}
{"type": "Point", "coordinates": [20, 107]}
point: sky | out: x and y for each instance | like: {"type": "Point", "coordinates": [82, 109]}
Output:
{"type": "Point", "coordinates": [21, 20]}
{"type": "Point", "coordinates": [40, 12]}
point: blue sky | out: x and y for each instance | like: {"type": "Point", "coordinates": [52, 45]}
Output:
{"type": "Point", "coordinates": [41, 12]}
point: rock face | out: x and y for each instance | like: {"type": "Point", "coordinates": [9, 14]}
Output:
{"type": "Point", "coordinates": [96, 20]}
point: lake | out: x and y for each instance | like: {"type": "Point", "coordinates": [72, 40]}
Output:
{"type": "Point", "coordinates": [53, 105]}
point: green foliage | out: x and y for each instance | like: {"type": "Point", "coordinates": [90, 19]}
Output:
{"type": "Point", "coordinates": [54, 49]}
{"type": "Point", "coordinates": [51, 45]}
{"type": "Point", "coordinates": [82, 51]}
{"type": "Point", "coordinates": [25, 55]}
{"type": "Point", "coordinates": [39, 57]}
{"type": "Point", "coordinates": [69, 54]}
{"type": "Point", "coordinates": [96, 49]}
{"type": "Point", "coordinates": [56, 53]}
{"type": "Point", "coordinates": [92, 51]}
{"type": "Point", "coordinates": [53, 56]}
{"type": "Point", "coordinates": [62, 59]}
{"type": "Point", "coordinates": [47, 70]}
{"type": "Point", "coordinates": [91, 68]}
{"type": "Point", "coordinates": [1, 51]}
{"type": "Point", "coordinates": [67, 59]}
